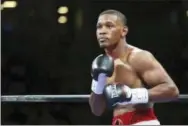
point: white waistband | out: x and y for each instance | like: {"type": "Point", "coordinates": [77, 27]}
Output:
{"type": "Point", "coordinates": [150, 122]}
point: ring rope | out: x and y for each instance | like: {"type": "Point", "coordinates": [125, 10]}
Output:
{"type": "Point", "coordinates": [44, 98]}
{"type": "Point", "coordinates": [61, 98]}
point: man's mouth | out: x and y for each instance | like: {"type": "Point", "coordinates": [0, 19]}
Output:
{"type": "Point", "coordinates": [103, 40]}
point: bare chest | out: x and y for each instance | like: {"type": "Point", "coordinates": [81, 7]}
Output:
{"type": "Point", "coordinates": [124, 74]}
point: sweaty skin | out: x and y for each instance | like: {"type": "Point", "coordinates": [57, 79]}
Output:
{"type": "Point", "coordinates": [124, 73]}
{"type": "Point", "coordinates": [139, 66]}
{"type": "Point", "coordinates": [133, 66]}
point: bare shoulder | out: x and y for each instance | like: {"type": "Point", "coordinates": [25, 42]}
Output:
{"type": "Point", "coordinates": [139, 54]}
{"type": "Point", "coordinates": [142, 59]}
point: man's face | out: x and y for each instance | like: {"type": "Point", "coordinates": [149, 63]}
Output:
{"type": "Point", "coordinates": [109, 30]}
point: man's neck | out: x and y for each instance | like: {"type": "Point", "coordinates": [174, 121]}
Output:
{"type": "Point", "coordinates": [118, 51]}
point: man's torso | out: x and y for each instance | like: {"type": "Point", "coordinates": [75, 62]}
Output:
{"type": "Point", "coordinates": [124, 73]}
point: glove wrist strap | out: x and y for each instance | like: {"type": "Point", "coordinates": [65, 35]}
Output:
{"type": "Point", "coordinates": [96, 87]}
{"type": "Point", "coordinates": [139, 95]}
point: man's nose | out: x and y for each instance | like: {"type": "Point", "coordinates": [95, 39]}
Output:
{"type": "Point", "coordinates": [103, 31]}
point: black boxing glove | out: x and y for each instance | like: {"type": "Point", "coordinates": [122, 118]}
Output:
{"type": "Point", "coordinates": [102, 67]}
{"type": "Point", "coordinates": [102, 64]}
{"type": "Point", "coordinates": [121, 94]}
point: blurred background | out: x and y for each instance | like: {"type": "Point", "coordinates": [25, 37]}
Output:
{"type": "Point", "coordinates": [48, 47]}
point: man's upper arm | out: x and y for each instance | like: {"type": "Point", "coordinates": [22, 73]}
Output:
{"type": "Point", "coordinates": [151, 71]}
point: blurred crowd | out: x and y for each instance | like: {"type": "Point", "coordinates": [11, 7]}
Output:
{"type": "Point", "coordinates": [20, 78]}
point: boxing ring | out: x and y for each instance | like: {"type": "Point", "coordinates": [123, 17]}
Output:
{"type": "Point", "coordinates": [62, 98]}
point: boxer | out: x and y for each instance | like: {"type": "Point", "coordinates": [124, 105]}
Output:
{"type": "Point", "coordinates": [126, 78]}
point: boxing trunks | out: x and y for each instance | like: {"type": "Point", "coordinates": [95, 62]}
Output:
{"type": "Point", "coordinates": [137, 117]}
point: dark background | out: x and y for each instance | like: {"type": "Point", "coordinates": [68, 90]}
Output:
{"type": "Point", "coordinates": [41, 56]}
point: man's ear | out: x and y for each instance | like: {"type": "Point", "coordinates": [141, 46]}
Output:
{"type": "Point", "coordinates": [125, 31]}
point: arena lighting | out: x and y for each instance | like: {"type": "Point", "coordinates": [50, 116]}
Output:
{"type": "Point", "coordinates": [62, 19]}
{"type": "Point", "coordinates": [63, 10]}
{"type": "Point", "coordinates": [2, 7]}
{"type": "Point", "coordinates": [9, 4]}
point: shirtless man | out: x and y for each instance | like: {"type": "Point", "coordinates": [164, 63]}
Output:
{"type": "Point", "coordinates": [126, 78]}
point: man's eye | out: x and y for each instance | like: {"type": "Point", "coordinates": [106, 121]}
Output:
{"type": "Point", "coordinates": [109, 25]}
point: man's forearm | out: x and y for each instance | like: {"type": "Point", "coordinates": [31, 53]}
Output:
{"type": "Point", "coordinates": [160, 93]}
{"type": "Point", "coordinates": [97, 104]}
{"type": "Point", "coordinates": [163, 92]}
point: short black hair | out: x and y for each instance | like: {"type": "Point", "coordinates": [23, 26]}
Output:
{"type": "Point", "coordinates": [120, 15]}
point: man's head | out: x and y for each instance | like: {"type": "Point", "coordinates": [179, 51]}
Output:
{"type": "Point", "coordinates": [111, 28]}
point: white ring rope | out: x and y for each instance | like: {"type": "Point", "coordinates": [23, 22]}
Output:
{"type": "Point", "coordinates": [60, 98]}
{"type": "Point", "coordinates": [45, 98]}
